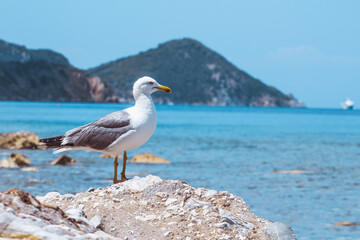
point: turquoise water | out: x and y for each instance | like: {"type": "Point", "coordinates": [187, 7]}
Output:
{"type": "Point", "coordinates": [224, 148]}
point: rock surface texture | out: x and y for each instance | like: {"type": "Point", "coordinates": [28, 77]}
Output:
{"type": "Point", "coordinates": [141, 208]}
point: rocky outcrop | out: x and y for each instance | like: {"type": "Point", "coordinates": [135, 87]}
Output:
{"type": "Point", "coordinates": [146, 208]}
{"type": "Point", "coordinates": [148, 158]}
{"type": "Point", "coordinates": [20, 140]}
{"type": "Point", "coordinates": [15, 160]}
{"type": "Point", "coordinates": [63, 160]}
{"type": "Point", "coordinates": [24, 217]}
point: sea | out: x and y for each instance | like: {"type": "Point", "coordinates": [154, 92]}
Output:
{"type": "Point", "coordinates": [247, 151]}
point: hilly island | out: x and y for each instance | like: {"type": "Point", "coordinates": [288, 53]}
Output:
{"type": "Point", "coordinates": [196, 74]}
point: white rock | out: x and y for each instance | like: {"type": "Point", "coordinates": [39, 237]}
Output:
{"type": "Point", "coordinates": [172, 223]}
{"type": "Point", "coordinates": [195, 203]}
{"type": "Point", "coordinates": [48, 197]}
{"type": "Point", "coordinates": [206, 211]}
{"type": "Point", "coordinates": [162, 194]}
{"type": "Point", "coordinates": [223, 225]}
{"type": "Point", "coordinates": [150, 217]}
{"type": "Point", "coordinates": [75, 213]}
{"type": "Point", "coordinates": [14, 225]}
{"type": "Point", "coordinates": [95, 221]}
{"type": "Point", "coordinates": [172, 208]}
{"type": "Point", "coordinates": [198, 192]}
{"type": "Point", "coordinates": [210, 194]}
{"type": "Point", "coordinates": [138, 184]}
{"type": "Point", "coordinates": [96, 205]}
{"type": "Point", "coordinates": [140, 218]}
{"type": "Point", "coordinates": [167, 215]}
{"type": "Point", "coordinates": [143, 202]}
{"type": "Point", "coordinates": [101, 194]}
{"type": "Point", "coordinates": [170, 201]}
{"type": "Point", "coordinates": [104, 235]}
{"type": "Point", "coordinates": [230, 218]}
{"type": "Point", "coordinates": [194, 213]}
{"type": "Point", "coordinates": [168, 233]}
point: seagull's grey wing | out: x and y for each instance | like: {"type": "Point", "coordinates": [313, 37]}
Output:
{"type": "Point", "coordinates": [101, 133]}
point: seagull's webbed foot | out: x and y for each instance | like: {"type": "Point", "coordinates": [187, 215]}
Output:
{"type": "Point", "coordinates": [123, 178]}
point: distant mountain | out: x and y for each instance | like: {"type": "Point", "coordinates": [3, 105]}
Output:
{"type": "Point", "coordinates": [196, 74]}
{"type": "Point", "coordinates": [44, 75]}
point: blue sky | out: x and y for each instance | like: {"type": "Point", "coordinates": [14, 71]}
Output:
{"type": "Point", "coordinates": [308, 48]}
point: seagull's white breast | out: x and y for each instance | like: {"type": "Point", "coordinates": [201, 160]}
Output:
{"type": "Point", "coordinates": [143, 122]}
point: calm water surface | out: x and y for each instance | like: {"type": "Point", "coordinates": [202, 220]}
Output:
{"type": "Point", "coordinates": [224, 148]}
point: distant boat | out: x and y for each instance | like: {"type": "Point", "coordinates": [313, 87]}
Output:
{"type": "Point", "coordinates": [347, 105]}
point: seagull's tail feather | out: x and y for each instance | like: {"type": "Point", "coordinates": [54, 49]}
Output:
{"type": "Point", "coordinates": [52, 142]}
{"type": "Point", "coordinates": [59, 150]}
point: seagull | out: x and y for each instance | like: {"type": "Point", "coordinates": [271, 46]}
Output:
{"type": "Point", "coordinates": [117, 132]}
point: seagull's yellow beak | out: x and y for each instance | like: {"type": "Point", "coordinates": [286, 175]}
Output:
{"type": "Point", "coordinates": [164, 89]}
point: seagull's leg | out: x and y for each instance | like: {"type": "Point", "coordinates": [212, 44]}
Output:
{"type": "Point", "coordinates": [116, 164]}
{"type": "Point", "coordinates": [123, 177]}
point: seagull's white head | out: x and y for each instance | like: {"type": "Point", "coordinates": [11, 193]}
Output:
{"type": "Point", "coordinates": [148, 85]}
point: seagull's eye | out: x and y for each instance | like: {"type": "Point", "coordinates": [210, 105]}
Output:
{"type": "Point", "coordinates": [151, 83]}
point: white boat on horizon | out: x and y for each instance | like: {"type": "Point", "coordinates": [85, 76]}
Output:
{"type": "Point", "coordinates": [347, 105]}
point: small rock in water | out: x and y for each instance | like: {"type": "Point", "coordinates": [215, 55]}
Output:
{"type": "Point", "coordinates": [7, 163]}
{"type": "Point", "coordinates": [148, 158]}
{"type": "Point", "coordinates": [107, 156]}
{"type": "Point", "coordinates": [294, 171]}
{"type": "Point", "coordinates": [20, 159]}
{"type": "Point", "coordinates": [15, 160]}
{"type": "Point", "coordinates": [63, 160]}
{"type": "Point", "coordinates": [347, 224]}
{"type": "Point", "coordinates": [29, 169]}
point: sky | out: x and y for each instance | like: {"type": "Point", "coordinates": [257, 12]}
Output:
{"type": "Point", "coordinates": [308, 48]}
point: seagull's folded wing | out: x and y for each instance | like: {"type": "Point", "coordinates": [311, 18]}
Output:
{"type": "Point", "coordinates": [99, 134]}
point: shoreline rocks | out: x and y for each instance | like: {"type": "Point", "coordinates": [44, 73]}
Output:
{"type": "Point", "coordinates": [20, 140]}
{"type": "Point", "coordinates": [15, 160]}
{"type": "Point", "coordinates": [140, 208]}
